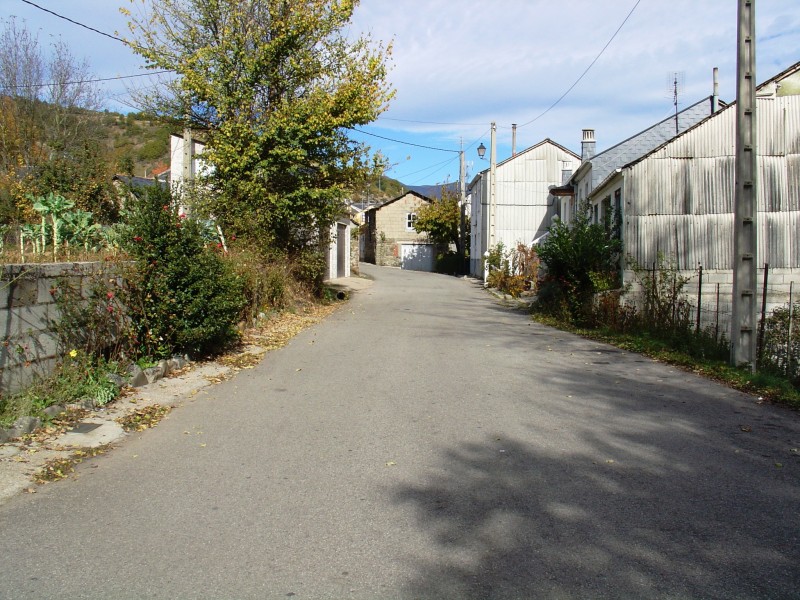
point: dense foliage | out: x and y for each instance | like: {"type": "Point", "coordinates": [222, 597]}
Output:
{"type": "Point", "coordinates": [275, 85]}
{"type": "Point", "coordinates": [441, 221]}
{"type": "Point", "coordinates": [182, 295]}
{"type": "Point", "coordinates": [581, 258]}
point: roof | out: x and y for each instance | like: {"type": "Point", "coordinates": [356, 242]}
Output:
{"type": "Point", "coordinates": [139, 182]}
{"type": "Point", "coordinates": [518, 154]}
{"type": "Point", "coordinates": [604, 163]}
{"type": "Point", "coordinates": [410, 192]}
{"type": "Point", "coordinates": [795, 68]}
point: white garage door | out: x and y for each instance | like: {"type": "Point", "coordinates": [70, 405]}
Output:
{"type": "Point", "coordinates": [418, 257]}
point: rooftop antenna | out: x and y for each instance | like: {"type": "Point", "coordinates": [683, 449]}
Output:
{"type": "Point", "coordinates": [675, 82]}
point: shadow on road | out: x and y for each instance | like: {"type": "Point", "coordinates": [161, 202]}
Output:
{"type": "Point", "coordinates": [628, 498]}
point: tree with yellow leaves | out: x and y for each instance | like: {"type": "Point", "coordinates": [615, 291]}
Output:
{"type": "Point", "coordinates": [275, 86]}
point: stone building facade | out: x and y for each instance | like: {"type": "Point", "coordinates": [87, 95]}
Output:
{"type": "Point", "coordinates": [390, 238]}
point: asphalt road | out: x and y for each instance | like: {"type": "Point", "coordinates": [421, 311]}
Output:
{"type": "Point", "coordinates": [425, 442]}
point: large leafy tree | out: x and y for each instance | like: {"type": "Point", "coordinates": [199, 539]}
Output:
{"type": "Point", "coordinates": [275, 85]}
{"type": "Point", "coordinates": [441, 220]}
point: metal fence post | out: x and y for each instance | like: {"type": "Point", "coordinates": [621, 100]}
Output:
{"type": "Point", "coordinates": [789, 337]}
{"type": "Point", "coordinates": [699, 299]}
{"type": "Point", "coordinates": [762, 323]}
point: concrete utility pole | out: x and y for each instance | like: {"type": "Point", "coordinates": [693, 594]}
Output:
{"type": "Point", "coordinates": [492, 184]}
{"type": "Point", "coordinates": [187, 155]}
{"type": "Point", "coordinates": [462, 203]}
{"type": "Point", "coordinates": [745, 224]}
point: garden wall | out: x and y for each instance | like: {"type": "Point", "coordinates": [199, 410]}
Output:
{"type": "Point", "coordinates": [30, 348]}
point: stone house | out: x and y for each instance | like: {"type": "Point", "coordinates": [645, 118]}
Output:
{"type": "Point", "coordinates": [389, 235]}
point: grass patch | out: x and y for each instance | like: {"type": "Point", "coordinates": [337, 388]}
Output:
{"type": "Point", "coordinates": [76, 379]}
{"type": "Point", "coordinates": [770, 387]}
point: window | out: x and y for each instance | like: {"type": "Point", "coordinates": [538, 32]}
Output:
{"type": "Point", "coordinates": [411, 218]}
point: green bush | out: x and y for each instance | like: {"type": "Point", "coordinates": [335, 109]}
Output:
{"type": "Point", "coordinates": [182, 295]}
{"type": "Point", "coordinates": [780, 352]}
{"type": "Point", "coordinates": [153, 150]}
{"type": "Point", "coordinates": [267, 283]}
{"type": "Point", "coordinates": [308, 267]}
{"type": "Point", "coordinates": [581, 258]}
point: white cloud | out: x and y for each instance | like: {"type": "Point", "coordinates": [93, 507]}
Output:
{"type": "Point", "coordinates": [474, 61]}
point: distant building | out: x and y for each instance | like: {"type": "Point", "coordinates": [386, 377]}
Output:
{"type": "Point", "coordinates": [524, 205]}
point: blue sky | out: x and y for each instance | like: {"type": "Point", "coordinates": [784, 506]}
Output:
{"type": "Point", "coordinates": [460, 64]}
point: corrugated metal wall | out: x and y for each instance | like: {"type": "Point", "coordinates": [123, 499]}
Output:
{"type": "Point", "coordinates": [679, 200]}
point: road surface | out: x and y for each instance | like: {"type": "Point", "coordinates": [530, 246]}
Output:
{"type": "Point", "coordinates": [425, 442]}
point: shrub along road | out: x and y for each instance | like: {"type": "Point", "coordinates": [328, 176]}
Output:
{"type": "Point", "coordinates": [426, 442]}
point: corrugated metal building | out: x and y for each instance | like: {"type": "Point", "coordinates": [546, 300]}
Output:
{"type": "Point", "coordinates": [595, 168]}
{"type": "Point", "coordinates": [524, 205]}
{"type": "Point", "coordinates": [678, 199]}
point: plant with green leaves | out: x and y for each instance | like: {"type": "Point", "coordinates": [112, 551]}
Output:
{"type": "Point", "coordinates": [54, 206]}
{"type": "Point", "coordinates": [80, 229]}
{"type": "Point", "coordinates": [441, 221]}
{"type": "Point", "coordinates": [275, 86]}
{"type": "Point", "coordinates": [182, 295]}
{"type": "Point", "coordinates": [578, 256]}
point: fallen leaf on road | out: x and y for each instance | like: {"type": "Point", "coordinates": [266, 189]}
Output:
{"type": "Point", "coordinates": [391, 463]}
{"type": "Point", "coordinates": [30, 490]}
{"type": "Point", "coordinates": [746, 428]}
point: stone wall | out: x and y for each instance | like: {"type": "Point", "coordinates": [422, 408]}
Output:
{"type": "Point", "coordinates": [29, 346]}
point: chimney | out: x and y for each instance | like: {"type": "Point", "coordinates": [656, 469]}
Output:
{"type": "Point", "coordinates": [566, 172]}
{"type": "Point", "coordinates": [513, 139]}
{"type": "Point", "coordinates": [587, 145]}
{"type": "Point", "coordinates": [715, 95]}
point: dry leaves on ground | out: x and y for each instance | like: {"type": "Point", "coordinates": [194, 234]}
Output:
{"type": "Point", "coordinates": [142, 418]}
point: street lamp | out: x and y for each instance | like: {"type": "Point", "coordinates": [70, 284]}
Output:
{"type": "Point", "coordinates": [481, 151]}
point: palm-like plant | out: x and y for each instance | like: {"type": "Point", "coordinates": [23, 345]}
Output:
{"type": "Point", "coordinates": [55, 206]}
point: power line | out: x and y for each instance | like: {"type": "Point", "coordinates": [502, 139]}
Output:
{"type": "Point", "coordinates": [577, 81]}
{"type": "Point", "coordinates": [402, 142]}
{"type": "Point", "coordinates": [34, 85]}
{"type": "Point", "coordinates": [55, 14]}
{"type": "Point", "coordinates": [429, 122]}
{"type": "Point", "coordinates": [452, 160]}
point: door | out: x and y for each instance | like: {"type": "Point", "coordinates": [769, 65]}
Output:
{"type": "Point", "coordinates": [418, 257]}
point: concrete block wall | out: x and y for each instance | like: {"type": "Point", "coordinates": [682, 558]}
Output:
{"type": "Point", "coordinates": [716, 310]}
{"type": "Point", "coordinates": [29, 347]}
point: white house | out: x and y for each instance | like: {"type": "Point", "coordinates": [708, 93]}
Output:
{"type": "Point", "coordinates": [524, 206]}
{"type": "Point", "coordinates": [185, 159]}
{"type": "Point", "coordinates": [186, 164]}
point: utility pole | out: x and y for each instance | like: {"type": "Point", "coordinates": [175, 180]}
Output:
{"type": "Point", "coordinates": [462, 203]}
{"type": "Point", "coordinates": [745, 218]}
{"type": "Point", "coordinates": [492, 184]}
{"type": "Point", "coordinates": [187, 155]}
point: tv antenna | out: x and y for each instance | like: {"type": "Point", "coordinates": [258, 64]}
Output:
{"type": "Point", "coordinates": [675, 83]}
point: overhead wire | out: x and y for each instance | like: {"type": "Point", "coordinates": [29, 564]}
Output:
{"type": "Point", "coordinates": [582, 75]}
{"type": "Point", "coordinates": [97, 80]}
{"type": "Point", "coordinates": [74, 22]}
{"type": "Point", "coordinates": [403, 142]}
